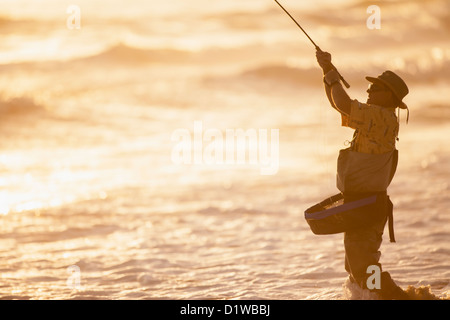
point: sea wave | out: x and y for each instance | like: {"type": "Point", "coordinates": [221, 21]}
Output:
{"type": "Point", "coordinates": [437, 113]}
{"type": "Point", "coordinates": [413, 72]}
{"type": "Point", "coordinates": [19, 106]}
{"type": "Point", "coordinates": [122, 53]}
{"type": "Point", "coordinates": [428, 66]}
{"type": "Point", "coordinates": [117, 54]}
{"type": "Point", "coordinates": [26, 26]}
{"type": "Point", "coordinates": [282, 74]}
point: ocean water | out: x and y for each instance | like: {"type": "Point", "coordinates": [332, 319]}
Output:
{"type": "Point", "coordinates": [95, 204]}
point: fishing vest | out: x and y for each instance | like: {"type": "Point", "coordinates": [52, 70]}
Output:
{"type": "Point", "coordinates": [365, 173]}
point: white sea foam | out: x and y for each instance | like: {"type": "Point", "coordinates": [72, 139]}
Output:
{"type": "Point", "coordinates": [85, 156]}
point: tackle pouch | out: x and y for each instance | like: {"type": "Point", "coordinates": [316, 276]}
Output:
{"type": "Point", "coordinates": [332, 215]}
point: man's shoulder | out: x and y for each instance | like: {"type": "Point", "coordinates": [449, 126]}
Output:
{"type": "Point", "coordinates": [373, 109]}
{"type": "Point", "coordinates": [363, 105]}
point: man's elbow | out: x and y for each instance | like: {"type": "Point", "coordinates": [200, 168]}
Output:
{"type": "Point", "coordinates": [344, 106]}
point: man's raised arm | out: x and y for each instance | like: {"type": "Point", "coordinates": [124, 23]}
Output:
{"type": "Point", "coordinates": [336, 94]}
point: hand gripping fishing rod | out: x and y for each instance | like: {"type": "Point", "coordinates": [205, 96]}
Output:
{"type": "Point", "coordinates": [315, 45]}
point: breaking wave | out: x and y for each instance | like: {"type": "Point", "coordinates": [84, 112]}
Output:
{"type": "Point", "coordinates": [412, 71]}
{"type": "Point", "coordinates": [121, 53]}
{"type": "Point", "coordinates": [19, 106]}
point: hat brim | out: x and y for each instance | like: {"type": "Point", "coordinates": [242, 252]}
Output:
{"type": "Point", "coordinates": [375, 80]}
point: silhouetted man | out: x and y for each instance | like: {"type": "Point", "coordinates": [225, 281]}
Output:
{"type": "Point", "coordinates": [367, 167]}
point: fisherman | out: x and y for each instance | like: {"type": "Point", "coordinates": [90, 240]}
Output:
{"type": "Point", "coordinates": [368, 165]}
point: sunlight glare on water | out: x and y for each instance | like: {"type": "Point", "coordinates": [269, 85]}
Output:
{"type": "Point", "coordinates": [88, 178]}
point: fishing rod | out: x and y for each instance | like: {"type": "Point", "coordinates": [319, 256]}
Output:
{"type": "Point", "coordinates": [315, 45]}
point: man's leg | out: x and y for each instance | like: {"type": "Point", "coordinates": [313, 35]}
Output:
{"type": "Point", "coordinates": [361, 251]}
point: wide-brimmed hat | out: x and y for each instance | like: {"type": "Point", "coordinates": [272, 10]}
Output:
{"type": "Point", "coordinates": [394, 83]}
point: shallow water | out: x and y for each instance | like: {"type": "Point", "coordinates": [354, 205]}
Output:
{"type": "Point", "coordinates": [88, 181]}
